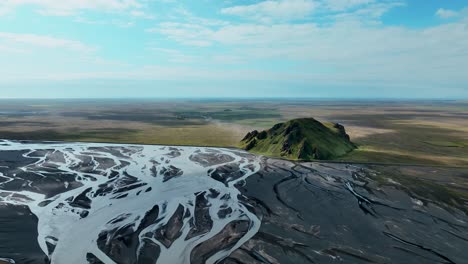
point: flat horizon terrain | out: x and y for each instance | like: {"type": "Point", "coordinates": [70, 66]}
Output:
{"type": "Point", "coordinates": [411, 132]}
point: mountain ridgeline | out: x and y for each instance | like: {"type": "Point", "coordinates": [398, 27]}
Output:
{"type": "Point", "coordinates": [300, 139]}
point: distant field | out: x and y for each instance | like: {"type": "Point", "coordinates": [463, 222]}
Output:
{"type": "Point", "coordinates": [406, 132]}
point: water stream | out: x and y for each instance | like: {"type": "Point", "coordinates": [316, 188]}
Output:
{"type": "Point", "coordinates": [141, 189]}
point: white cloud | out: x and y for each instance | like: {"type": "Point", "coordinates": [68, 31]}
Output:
{"type": "Point", "coordinates": [273, 10]}
{"type": "Point", "coordinates": [69, 7]}
{"type": "Point", "coordinates": [185, 33]}
{"type": "Point", "coordinates": [11, 50]}
{"type": "Point", "coordinates": [342, 5]}
{"type": "Point", "coordinates": [350, 47]}
{"type": "Point", "coordinates": [175, 56]}
{"type": "Point", "coordinates": [369, 14]}
{"type": "Point", "coordinates": [184, 15]}
{"type": "Point", "coordinates": [115, 22]}
{"type": "Point", "coordinates": [166, 72]}
{"type": "Point", "coordinates": [12, 40]}
{"type": "Point", "coordinates": [446, 13]}
{"type": "Point", "coordinates": [345, 51]}
{"type": "Point", "coordinates": [141, 14]}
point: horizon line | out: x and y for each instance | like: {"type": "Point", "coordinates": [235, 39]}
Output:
{"type": "Point", "coordinates": [240, 98]}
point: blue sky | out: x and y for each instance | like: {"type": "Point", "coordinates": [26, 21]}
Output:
{"type": "Point", "coordinates": [244, 48]}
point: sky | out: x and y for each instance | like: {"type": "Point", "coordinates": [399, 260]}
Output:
{"type": "Point", "coordinates": [234, 48]}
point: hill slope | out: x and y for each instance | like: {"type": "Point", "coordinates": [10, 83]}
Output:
{"type": "Point", "coordinates": [300, 139]}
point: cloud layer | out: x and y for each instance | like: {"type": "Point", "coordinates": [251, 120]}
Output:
{"type": "Point", "coordinates": [317, 43]}
{"type": "Point", "coordinates": [69, 7]}
{"type": "Point", "coordinates": [267, 11]}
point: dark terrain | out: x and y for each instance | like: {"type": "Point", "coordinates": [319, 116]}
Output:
{"type": "Point", "coordinates": [338, 213]}
{"type": "Point", "coordinates": [310, 212]}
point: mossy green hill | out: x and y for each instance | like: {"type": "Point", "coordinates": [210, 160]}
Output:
{"type": "Point", "coordinates": [300, 139]}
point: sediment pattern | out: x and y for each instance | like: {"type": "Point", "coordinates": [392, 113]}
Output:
{"type": "Point", "coordinates": [338, 213]}
{"type": "Point", "coordinates": [104, 203]}
{"type": "Point", "coordinates": [101, 203]}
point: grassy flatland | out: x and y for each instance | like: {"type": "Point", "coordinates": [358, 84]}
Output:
{"type": "Point", "coordinates": [407, 132]}
{"type": "Point", "coordinates": [445, 186]}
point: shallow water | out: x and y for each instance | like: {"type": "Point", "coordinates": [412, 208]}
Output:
{"type": "Point", "coordinates": [105, 203]}
{"type": "Point", "coordinates": [154, 193]}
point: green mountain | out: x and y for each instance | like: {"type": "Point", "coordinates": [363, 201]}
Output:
{"type": "Point", "coordinates": [300, 139]}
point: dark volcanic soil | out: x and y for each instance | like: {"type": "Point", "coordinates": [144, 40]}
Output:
{"type": "Point", "coordinates": [332, 213]}
{"type": "Point", "coordinates": [18, 235]}
{"type": "Point", "coordinates": [309, 212]}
